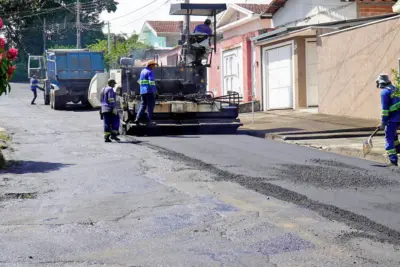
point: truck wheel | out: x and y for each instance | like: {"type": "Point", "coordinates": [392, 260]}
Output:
{"type": "Point", "coordinates": [59, 102]}
{"type": "Point", "coordinates": [84, 101]}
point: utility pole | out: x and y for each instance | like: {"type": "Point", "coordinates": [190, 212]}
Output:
{"type": "Point", "coordinates": [78, 25]}
{"type": "Point", "coordinates": [44, 35]}
{"type": "Point", "coordinates": [187, 20]}
{"type": "Point", "coordinates": [109, 38]}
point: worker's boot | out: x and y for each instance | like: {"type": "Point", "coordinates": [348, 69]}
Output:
{"type": "Point", "coordinates": [115, 138]}
{"type": "Point", "coordinates": [107, 139]}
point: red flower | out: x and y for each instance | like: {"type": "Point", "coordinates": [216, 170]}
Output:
{"type": "Point", "coordinates": [2, 43]}
{"type": "Point", "coordinates": [12, 53]}
{"type": "Point", "coordinates": [1, 23]}
{"type": "Point", "coordinates": [10, 70]}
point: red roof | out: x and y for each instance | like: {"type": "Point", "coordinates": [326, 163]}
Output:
{"type": "Point", "coordinates": [275, 5]}
{"type": "Point", "coordinates": [170, 26]}
{"type": "Point", "coordinates": [255, 8]}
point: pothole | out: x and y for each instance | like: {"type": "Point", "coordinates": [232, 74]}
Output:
{"type": "Point", "coordinates": [18, 196]}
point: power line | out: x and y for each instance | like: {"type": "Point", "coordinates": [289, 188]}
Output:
{"type": "Point", "coordinates": [134, 10]}
{"type": "Point", "coordinates": [166, 2]}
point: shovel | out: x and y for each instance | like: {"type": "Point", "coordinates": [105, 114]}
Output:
{"type": "Point", "coordinates": [367, 145]}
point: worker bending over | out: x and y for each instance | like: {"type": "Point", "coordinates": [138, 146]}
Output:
{"type": "Point", "coordinates": [148, 91]}
{"type": "Point", "coordinates": [390, 100]}
{"type": "Point", "coordinates": [109, 112]}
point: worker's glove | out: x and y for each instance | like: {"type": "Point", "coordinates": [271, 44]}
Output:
{"type": "Point", "coordinates": [114, 111]}
{"type": "Point", "coordinates": [382, 126]}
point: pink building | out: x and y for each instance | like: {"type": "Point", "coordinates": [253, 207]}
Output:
{"type": "Point", "coordinates": [231, 68]}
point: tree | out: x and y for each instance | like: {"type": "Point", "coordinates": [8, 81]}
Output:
{"type": "Point", "coordinates": [24, 23]}
{"type": "Point", "coordinates": [6, 64]}
{"type": "Point", "coordinates": [122, 47]}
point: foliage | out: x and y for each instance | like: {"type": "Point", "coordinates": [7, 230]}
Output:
{"type": "Point", "coordinates": [121, 46]}
{"type": "Point", "coordinates": [62, 47]}
{"type": "Point", "coordinates": [24, 24]}
{"type": "Point", "coordinates": [396, 78]}
{"type": "Point", "coordinates": [7, 68]}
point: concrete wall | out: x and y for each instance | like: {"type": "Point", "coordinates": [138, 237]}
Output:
{"type": "Point", "coordinates": [300, 76]}
{"type": "Point", "coordinates": [296, 10]}
{"type": "Point", "coordinates": [349, 63]}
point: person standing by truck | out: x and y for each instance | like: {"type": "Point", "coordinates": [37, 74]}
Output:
{"type": "Point", "coordinates": [148, 91]}
{"type": "Point", "coordinates": [34, 86]}
{"type": "Point", "coordinates": [109, 112]}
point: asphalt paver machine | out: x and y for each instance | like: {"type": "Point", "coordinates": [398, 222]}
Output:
{"type": "Point", "coordinates": [183, 104]}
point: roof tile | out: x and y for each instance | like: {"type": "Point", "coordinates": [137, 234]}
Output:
{"type": "Point", "coordinates": [169, 26]}
{"type": "Point", "coordinates": [255, 8]}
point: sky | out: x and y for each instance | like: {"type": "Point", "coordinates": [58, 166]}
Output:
{"type": "Point", "coordinates": [125, 20]}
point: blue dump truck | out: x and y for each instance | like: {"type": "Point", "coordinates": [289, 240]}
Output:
{"type": "Point", "coordinates": [66, 74]}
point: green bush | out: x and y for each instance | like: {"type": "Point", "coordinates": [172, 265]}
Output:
{"type": "Point", "coordinates": [396, 78]}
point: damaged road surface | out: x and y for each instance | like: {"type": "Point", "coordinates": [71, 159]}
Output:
{"type": "Point", "coordinates": [69, 199]}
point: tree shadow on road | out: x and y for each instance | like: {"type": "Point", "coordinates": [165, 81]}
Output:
{"type": "Point", "coordinates": [23, 167]}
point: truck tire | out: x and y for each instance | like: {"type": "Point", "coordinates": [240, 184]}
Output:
{"type": "Point", "coordinates": [59, 102]}
{"type": "Point", "coordinates": [85, 102]}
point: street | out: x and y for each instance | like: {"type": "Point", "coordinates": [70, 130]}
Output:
{"type": "Point", "coordinates": [69, 199]}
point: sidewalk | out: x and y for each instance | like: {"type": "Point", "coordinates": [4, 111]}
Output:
{"type": "Point", "coordinates": [306, 127]}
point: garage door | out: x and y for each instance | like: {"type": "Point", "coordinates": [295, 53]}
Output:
{"type": "Point", "coordinates": [278, 78]}
{"type": "Point", "coordinates": [312, 73]}
{"type": "Point", "coordinates": [231, 74]}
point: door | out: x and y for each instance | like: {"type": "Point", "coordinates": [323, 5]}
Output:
{"type": "Point", "coordinates": [312, 73]}
{"type": "Point", "coordinates": [231, 75]}
{"type": "Point", "coordinates": [278, 78]}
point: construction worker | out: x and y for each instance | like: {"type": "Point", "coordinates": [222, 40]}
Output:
{"type": "Point", "coordinates": [390, 100]}
{"type": "Point", "coordinates": [117, 122]}
{"type": "Point", "coordinates": [148, 91]}
{"type": "Point", "coordinates": [34, 87]}
{"type": "Point", "coordinates": [109, 112]}
{"type": "Point", "coordinates": [204, 28]}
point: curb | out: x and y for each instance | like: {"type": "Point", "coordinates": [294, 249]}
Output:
{"type": "Point", "coordinates": [351, 152]}
{"type": "Point", "coordinates": [355, 153]}
{"type": "Point", "coordinates": [301, 136]}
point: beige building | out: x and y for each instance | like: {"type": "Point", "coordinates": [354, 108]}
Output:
{"type": "Point", "coordinates": [349, 62]}
{"type": "Point", "coordinates": [286, 56]}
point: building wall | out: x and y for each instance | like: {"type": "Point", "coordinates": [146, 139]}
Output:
{"type": "Point", "coordinates": [232, 38]}
{"type": "Point", "coordinates": [349, 63]}
{"type": "Point", "coordinates": [300, 72]}
{"type": "Point", "coordinates": [248, 27]}
{"type": "Point", "coordinates": [296, 10]}
{"type": "Point", "coordinates": [172, 41]}
{"type": "Point", "coordinates": [150, 38]}
{"type": "Point", "coordinates": [374, 9]}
